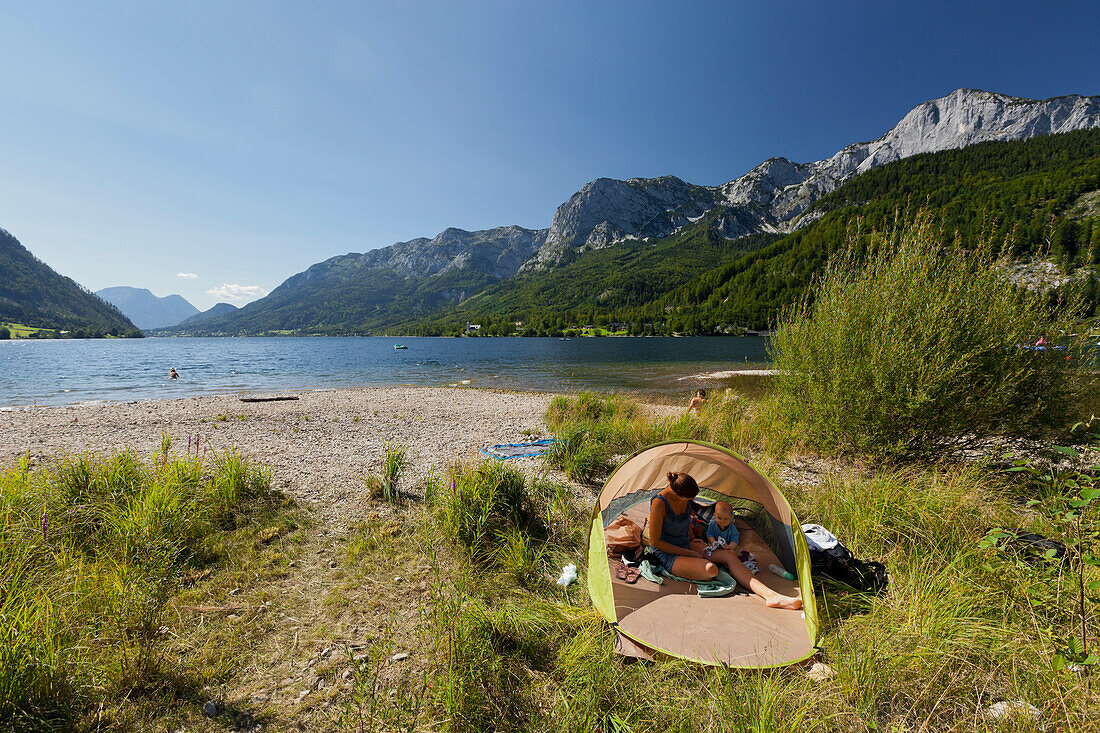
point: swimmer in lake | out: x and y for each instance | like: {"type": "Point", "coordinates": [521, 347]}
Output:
{"type": "Point", "coordinates": [172, 373]}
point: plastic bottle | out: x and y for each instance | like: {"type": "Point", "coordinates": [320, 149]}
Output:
{"type": "Point", "coordinates": [780, 572]}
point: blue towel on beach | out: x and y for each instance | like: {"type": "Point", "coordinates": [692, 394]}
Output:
{"type": "Point", "coordinates": [505, 451]}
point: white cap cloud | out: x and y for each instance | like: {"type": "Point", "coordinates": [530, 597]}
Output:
{"type": "Point", "coordinates": [237, 294]}
{"type": "Point", "coordinates": [187, 275]}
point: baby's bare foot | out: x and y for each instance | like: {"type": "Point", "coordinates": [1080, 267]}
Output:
{"type": "Point", "coordinates": [791, 604]}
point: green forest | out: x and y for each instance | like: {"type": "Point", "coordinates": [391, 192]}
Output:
{"type": "Point", "coordinates": [40, 303]}
{"type": "Point", "coordinates": [1039, 198]}
{"type": "Point", "coordinates": [1031, 194]}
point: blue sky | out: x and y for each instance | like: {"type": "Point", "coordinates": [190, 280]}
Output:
{"type": "Point", "coordinates": [241, 142]}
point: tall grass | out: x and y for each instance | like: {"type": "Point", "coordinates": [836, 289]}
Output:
{"type": "Point", "coordinates": [954, 634]}
{"type": "Point", "coordinates": [919, 347]}
{"type": "Point", "coordinates": [91, 550]}
{"type": "Point", "coordinates": [383, 482]}
{"type": "Point", "coordinates": [591, 432]}
{"type": "Point", "coordinates": [486, 503]}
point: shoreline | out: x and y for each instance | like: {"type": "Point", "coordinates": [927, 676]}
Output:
{"type": "Point", "coordinates": [238, 393]}
{"type": "Point", "coordinates": [730, 373]}
{"type": "Point", "coordinates": [318, 447]}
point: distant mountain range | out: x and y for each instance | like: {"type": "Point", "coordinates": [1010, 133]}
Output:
{"type": "Point", "coordinates": [218, 310]}
{"type": "Point", "coordinates": [33, 294]}
{"type": "Point", "coordinates": [146, 310]}
{"type": "Point", "coordinates": [401, 287]}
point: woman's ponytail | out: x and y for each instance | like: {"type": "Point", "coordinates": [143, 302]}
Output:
{"type": "Point", "coordinates": [682, 484]}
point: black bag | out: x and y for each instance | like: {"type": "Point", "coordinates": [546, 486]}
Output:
{"type": "Point", "coordinates": [830, 560]}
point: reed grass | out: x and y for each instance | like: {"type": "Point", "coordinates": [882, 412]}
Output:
{"type": "Point", "coordinates": [92, 548]}
{"type": "Point", "coordinates": [487, 505]}
{"type": "Point", "coordinates": [383, 483]}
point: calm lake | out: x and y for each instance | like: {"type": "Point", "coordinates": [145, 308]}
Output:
{"type": "Point", "coordinates": [66, 371]}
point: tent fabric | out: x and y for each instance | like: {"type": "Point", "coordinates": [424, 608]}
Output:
{"type": "Point", "coordinates": [504, 451]}
{"type": "Point", "coordinates": [672, 619]}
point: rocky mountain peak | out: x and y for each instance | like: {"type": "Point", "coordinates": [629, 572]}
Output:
{"type": "Point", "coordinates": [774, 195]}
{"type": "Point", "coordinates": [607, 210]}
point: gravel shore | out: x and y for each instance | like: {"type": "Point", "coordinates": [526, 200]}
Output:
{"type": "Point", "coordinates": [316, 448]}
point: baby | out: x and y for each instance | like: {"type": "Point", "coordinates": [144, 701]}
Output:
{"type": "Point", "coordinates": [722, 532]}
{"type": "Point", "coordinates": [722, 538]}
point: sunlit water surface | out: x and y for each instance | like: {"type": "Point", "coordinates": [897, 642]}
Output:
{"type": "Point", "coordinates": [66, 371]}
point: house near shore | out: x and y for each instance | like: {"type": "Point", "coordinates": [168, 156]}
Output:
{"type": "Point", "coordinates": [473, 328]}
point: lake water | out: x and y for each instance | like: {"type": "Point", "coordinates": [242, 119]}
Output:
{"type": "Point", "coordinates": [66, 371]}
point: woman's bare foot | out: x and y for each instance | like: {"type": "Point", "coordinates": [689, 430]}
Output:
{"type": "Point", "coordinates": [787, 602]}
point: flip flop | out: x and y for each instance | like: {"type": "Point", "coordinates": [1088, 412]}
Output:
{"type": "Point", "coordinates": [622, 572]}
{"type": "Point", "coordinates": [632, 576]}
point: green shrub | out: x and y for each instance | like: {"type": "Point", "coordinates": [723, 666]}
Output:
{"type": "Point", "coordinates": [92, 549]}
{"type": "Point", "coordinates": [382, 484]}
{"type": "Point", "coordinates": [590, 407]}
{"type": "Point", "coordinates": [915, 349]}
{"type": "Point", "coordinates": [520, 556]}
{"type": "Point", "coordinates": [484, 502]}
{"type": "Point", "coordinates": [582, 451]}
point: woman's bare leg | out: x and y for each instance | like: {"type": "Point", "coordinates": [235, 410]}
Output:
{"type": "Point", "coordinates": [743, 576]}
{"type": "Point", "coordinates": [694, 568]}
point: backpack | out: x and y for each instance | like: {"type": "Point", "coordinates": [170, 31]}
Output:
{"type": "Point", "coordinates": [831, 560]}
{"type": "Point", "coordinates": [701, 514]}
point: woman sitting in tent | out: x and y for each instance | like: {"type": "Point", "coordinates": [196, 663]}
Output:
{"type": "Point", "coordinates": [670, 536]}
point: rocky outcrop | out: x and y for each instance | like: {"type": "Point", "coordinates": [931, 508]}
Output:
{"type": "Point", "coordinates": [773, 196]}
{"type": "Point", "coordinates": [607, 210]}
{"type": "Point", "coordinates": [498, 252]}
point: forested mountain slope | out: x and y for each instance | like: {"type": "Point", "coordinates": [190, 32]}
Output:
{"type": "Point", "coordinates": [773, 196]}
{"type": "Point", "coordinates": [662, 251]}
{"type": "Point", "coordinates": [1034, 195]}
{"type": "Point", "coordinates": [596, 283]}
{"type": "Point", "coordinates": [363, 293]}
{"type": "Point", "coordinates": [33, 294]}
{"type": "Point", "coordinates": [1031, 193]}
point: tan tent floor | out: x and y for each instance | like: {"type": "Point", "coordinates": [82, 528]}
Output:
{"type": "Point", "coordinates": [738, 630]}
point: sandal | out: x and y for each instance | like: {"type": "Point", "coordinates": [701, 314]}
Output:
{"type": "Point", "coordinates": [632, 576]}
{"type": "Point", "coordinates": [621, 572]}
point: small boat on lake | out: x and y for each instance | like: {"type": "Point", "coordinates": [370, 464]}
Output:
{"type": "Point", "coordinates": [400, 346]}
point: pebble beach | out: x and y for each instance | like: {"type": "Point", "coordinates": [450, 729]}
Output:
{"type": "Point", "coordinates": [318, 447]}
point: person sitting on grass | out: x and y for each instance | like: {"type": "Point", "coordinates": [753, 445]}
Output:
{"type": "Point", "coordinates": [698, 400]}
{"type": "Point", "coordinates": [671, 543]}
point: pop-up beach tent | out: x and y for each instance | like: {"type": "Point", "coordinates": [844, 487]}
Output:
{"type": "Point", "coordinates": [673, 619]}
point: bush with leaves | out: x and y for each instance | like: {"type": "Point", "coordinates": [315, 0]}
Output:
{"type": "Point", "coordinates": [918, 347]}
